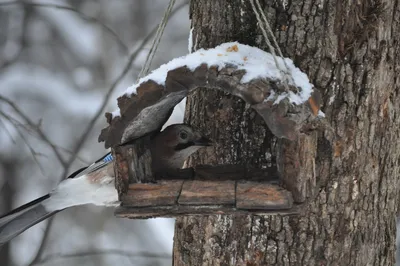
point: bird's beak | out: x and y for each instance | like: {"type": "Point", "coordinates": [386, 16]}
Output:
{"type": "Point", "coordinates": [203, 141]}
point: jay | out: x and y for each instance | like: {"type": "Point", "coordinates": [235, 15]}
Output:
{"type": "Point", "coordinates": [94, 184]}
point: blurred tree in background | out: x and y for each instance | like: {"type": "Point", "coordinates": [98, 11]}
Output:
{"type": "Point", "coordinates": [56, 66]}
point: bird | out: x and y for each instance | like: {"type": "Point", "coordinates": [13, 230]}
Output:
{"type": "Point", "coordinates": [178, 143]}
{"type": "Point", "coordinates": [94, 184]}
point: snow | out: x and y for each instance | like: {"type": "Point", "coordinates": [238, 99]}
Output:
{"type": "Point", "coordinates": [256, 62]}
{"type": "Point", "coordinates": [116, 113]}
{"type": "Point", "coordinates": [190, 41]}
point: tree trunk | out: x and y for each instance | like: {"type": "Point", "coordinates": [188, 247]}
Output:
{"type": "Point", "coordinates": [350, 50]}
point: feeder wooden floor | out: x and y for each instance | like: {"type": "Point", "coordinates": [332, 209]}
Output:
{"type": "Point", "coordinates": [205, 196]}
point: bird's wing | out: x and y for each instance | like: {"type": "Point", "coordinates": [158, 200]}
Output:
{"type": "Point", "coordinates": [80, 188]}
{"type": "Point", "coordinates": [102, 162]}
{"type": "Point", "coordinates": [14, 224]}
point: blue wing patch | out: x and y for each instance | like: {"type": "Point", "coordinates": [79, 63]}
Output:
{"type": "Point", "coordinates": [108, 158]}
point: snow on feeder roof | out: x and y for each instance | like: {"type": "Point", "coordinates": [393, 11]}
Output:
{"type": "Point", "coordinates": [244, 71]}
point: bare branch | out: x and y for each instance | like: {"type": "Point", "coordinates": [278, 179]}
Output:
{"type": "Point", "coordinates": [7, 131]}
{"type": "Point", "coordinates": [77, 156]}
{"type": "Point", "coordinates": [31, 149]}
{"type": "Point", "coordinates": [12, 60]}
{"type": "Point", "coordinates": [67, 8]}
{"type": "Point", "coordinates": [114, 85]}
{"type": "Point", "coordinates": [36, 128]}
{"type": "Point", "coordinates": [31, 132]}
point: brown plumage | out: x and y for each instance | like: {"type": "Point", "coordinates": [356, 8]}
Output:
{"type": "Point", "coordinates": [171, 147]}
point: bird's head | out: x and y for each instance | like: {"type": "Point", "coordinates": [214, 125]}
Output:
{"type": "Point", "coordinates": [182, 136]}
{"type": "Point", "coordinates": [175, 144]}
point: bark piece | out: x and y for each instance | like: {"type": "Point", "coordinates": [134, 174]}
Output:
{"type": "Point", "coordinates": [254, 195]}
{"type": "Point", "coordinates": [198, 210]}
{"type": "Point", "coordinates": [133, 164]}
{"type": "Point", "coordinates": [296, 161]}
{"type": "Point", "coordinates": [198, 192]}
{"type": "Point", "coordinates": [121, 168]}
{"type": "Point", "coordinates": [158, 194]}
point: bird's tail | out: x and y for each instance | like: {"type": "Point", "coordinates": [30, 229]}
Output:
{"type": "Point", "coordinates": [22, 218]}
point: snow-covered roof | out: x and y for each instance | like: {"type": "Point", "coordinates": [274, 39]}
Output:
{"type": "Point", "coordinates": [256, 79]}
{"type": "Point", "coordinates": [257, 63]}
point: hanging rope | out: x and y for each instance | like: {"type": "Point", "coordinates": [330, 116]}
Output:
{"type": "Point", "coordinates": [271, 33]}
{"type": "Point", "coordinates": [160, 30]}
{"type": "Point", "coordinates": [264, 26]}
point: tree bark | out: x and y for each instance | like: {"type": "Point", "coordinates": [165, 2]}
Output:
{"type": "Point", "coordinates": [350, 51]}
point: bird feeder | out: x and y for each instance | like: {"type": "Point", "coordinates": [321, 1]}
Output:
{"type": "Point", "coordinates": [288, 108]}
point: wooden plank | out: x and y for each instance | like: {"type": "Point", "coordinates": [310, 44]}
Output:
{"type": "Point", "coordinates": [254, 195]}
{"type": "Point", "coordinates": [235, 172]}
{"type": "Point", "coordinates": [184, 210]}
{"type": "Point", "coordinates": [197, 192]}
{"type": "Point", "coordinates": [220, 172]}
{"type": "Point", "coordinates": [161, 193]}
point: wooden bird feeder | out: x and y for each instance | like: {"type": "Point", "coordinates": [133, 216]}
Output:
{"type": "Point", "coordinates": [204, 190]}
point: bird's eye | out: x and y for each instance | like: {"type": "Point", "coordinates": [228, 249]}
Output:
{"type": "Point", "coordinates": [183, 135]}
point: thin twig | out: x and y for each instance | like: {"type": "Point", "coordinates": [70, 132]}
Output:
{"type": "Point", "coordinates": [31, 149]}
{"type": "Point", "coordinates": [52, 257]}
{"type": "Point", "coordinates": [14, 59]}
{"type": "Point", "coordinates": [31, 132]}
{"type": "Point", "coordinates": [67, 8]}
{"type": "Point", "coordinates": [18, 123]}
{"type": "Point", "coordinates": [114, 85]}
{"type": "Point", "coordinates": [33, 152]}
{"type": "Point", "coordinates": [37, 128]}
{"type": "Point", "coordinates": [7, 131]}
{"type": "Point", "coordinates": [84, 161]}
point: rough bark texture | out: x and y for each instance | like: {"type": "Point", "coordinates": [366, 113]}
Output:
{"type": "Point", "coordinates": [133, 163]}
{"type": "Point", "coordinates": [350, 50]}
